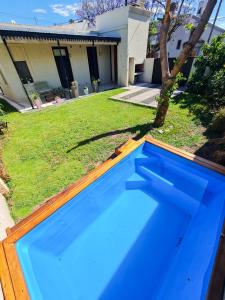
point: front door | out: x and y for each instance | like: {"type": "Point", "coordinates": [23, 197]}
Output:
{"type": "Point", "coordinates": [62, 61]}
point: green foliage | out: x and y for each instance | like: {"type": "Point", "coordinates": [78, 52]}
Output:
{"type": "Point", "coordinates": [153, 30]}
{"type": "Point", "coordinates": [45, 151]}
{"type": "Point", "coordinates": [34, 96]}
{"type": "Point", "coordinates": [218, 122]}
{"type": "Point", "coordinates": [208, 79]}
{"type": "Point", "coordinates": [189, 26]}
{"type": "Point", "coordinates": [2, 112]}
{"type": "Point", "coordinates": [168, 92]}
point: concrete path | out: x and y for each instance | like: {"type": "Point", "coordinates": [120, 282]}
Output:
{"type": "Point", "coordinates": [142, 94]}
{"type": "Point", "coordinates": [5, 221]}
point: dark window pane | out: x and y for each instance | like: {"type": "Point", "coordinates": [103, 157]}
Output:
{"type": "Point", "coordinates": [93, 63]}
{"type": "Point", "coordinates": [23, 71]}
{"type": "Point", "coordinates": [179, 44]}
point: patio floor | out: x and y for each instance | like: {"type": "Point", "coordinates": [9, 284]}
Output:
{"type": "Point", "coordinates": [141, 94]}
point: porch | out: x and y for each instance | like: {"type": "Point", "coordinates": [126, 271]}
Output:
{"type": "Point", "coordinates": [54, 60]}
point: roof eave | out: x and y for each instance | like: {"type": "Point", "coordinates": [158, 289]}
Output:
{"type": "Point", "coordinates": [14, 34]}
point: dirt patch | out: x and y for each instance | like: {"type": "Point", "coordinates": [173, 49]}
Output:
{"type": "Point", "coordinates": [214, 150]}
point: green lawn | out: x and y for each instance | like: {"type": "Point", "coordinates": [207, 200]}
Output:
{"type": "Point", "coordinates": [45, 151]}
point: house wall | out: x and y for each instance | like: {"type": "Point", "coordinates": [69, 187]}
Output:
{"type": "Point", "coordinates": [138, 26]}
{"type": "Point", "coordinates": [180, 34]}
{"type": "Point", "coordinates": [104, 63]}
{"type": "Point", "coordinates": [131, 24]}
{"type": "Point", "coordinates": [115, 23]}
{"type": "Point", "coordinates": [80, 67]}
{"type": "Point", "coordinates": [79, 64]}
{"type": "Point", "coordinates": [183, 35]}
{"type": "Point", "coordinates": [41, 63]}
{"type": "Point", "coordinates": [215, 32]}
{"type": "Point", "coordinates": [148, 70]}
{"type": "Point", "coordinates": [9, 79]}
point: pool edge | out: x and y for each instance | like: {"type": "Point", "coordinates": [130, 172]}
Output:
{"type": "Point", "coordinates": [11, 276]}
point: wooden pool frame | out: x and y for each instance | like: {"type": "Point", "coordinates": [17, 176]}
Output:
{"type": "Point", "coordinates": [11, 276]}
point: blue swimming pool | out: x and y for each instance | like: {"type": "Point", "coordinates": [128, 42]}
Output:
{"type": "Point", "coordinates": [146, 229]}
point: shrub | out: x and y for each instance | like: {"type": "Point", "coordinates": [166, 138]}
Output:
{"type": "Point", "coordinates": [216, 89]}
{"type": "Point", "coordinates": [218, 122]}
{"type": "Point", "coordinates": [208, 79]}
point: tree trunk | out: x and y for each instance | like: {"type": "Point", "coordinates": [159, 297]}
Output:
{"type": "Point", "coordinates": [164, 99]}
{"type": "Point", "coordinates": [161, 111]}
{"type": "Point", "coordinates": [163, 104]}
{"type": "Point", "coordinates": [169, 78]}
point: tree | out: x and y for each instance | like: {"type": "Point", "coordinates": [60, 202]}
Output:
{"type": "Point", "coordinates": [181, 17]}
{"type": "Point", "coordinates": [89, 9]}
{"type": "Point", "coordinates": [169, 78]}
{"type": "Point", "coordinates": [208, 78]}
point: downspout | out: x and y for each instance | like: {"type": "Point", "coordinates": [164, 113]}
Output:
{"type": "Point", "coordinates": [111, 75]}
{"type": "Point", "coordinates": [11, 57]}
{"type": "Point", "coordinates": [64, 69]}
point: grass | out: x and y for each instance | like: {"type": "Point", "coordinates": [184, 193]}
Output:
{"type": "Point", "coordinates": [45, 151]}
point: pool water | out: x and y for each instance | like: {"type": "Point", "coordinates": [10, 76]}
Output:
{"type": "Point", "coordinates": [147, 229]}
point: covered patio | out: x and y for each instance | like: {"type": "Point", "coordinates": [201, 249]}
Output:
{"type": "Point", "coordinates": [48, 61]}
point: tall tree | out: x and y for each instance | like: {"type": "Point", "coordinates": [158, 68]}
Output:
{"type": "Point", "coordinates": [169, 78]}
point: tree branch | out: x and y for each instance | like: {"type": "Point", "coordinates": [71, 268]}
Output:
{"type": "Point", "coordinates": [160, 3]}
{"type": "Point", "coordinates": [194, 38]}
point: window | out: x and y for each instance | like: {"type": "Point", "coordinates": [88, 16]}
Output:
{"type": "Point", "coordinates": [59, 52]}
{"type": "Point", "coordinates": [179, 44]}
{"type": "Point", "coordinates": [23, 72]}
{"type": "Point", "coordinates": [199, 11]}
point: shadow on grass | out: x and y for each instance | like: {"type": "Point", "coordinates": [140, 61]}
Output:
{"type": "Point", "coordinates": [214, 148]}
{"type": "Point", "coordinates": [5, 107]}
{"type": "Point", "coordinates": [196, 106]}
{"type": "Point", "coordinates": [139, 130]}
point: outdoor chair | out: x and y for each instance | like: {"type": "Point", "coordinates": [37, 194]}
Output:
{"type": "Point", "coordinates": [45, 91]}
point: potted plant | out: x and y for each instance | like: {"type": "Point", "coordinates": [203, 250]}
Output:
{"type": "Point", "coordinates": [96, 84]}
{"type": "Point", "coordinates": [35, 97]}
{"type": "Point", "coordinates": [86, 90]}
{"type": "Point", "coordinates": [58, 99]}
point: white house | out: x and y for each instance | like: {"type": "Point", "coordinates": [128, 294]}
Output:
{"type": "Point", "coordinates": [55, 56]}
{"type": "Point", "coordinates": [181, 35]}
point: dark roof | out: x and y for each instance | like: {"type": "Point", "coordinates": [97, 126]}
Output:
{"type": "Point", "coordinates": [11, 34]}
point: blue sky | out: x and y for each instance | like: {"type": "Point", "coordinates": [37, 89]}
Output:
{"type": "Point", "coordinates": [221, 16]}
{"type": "Point", "coordinates": [42, 12]}
{"type": "Point", "coordinates": [48, 12]}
